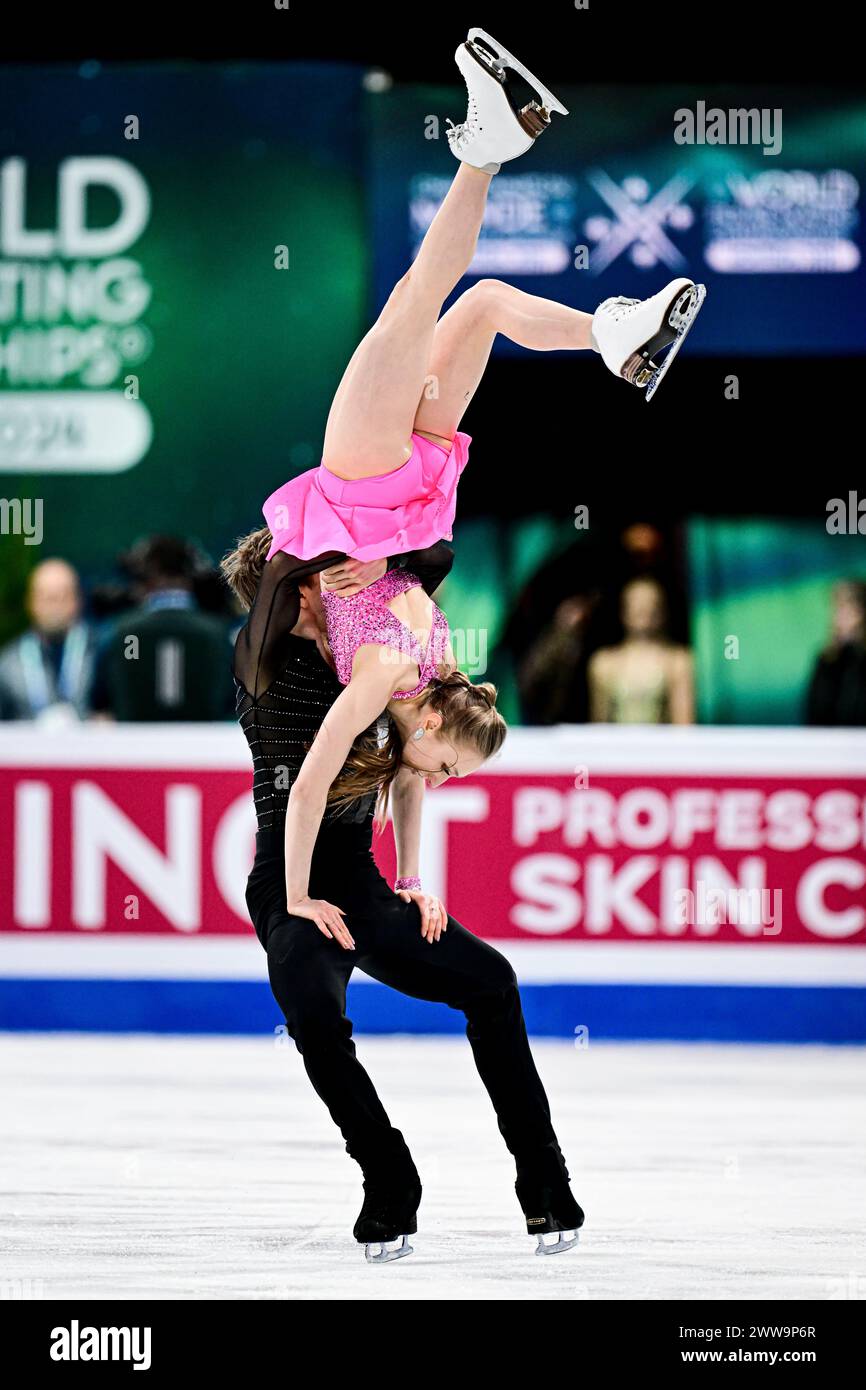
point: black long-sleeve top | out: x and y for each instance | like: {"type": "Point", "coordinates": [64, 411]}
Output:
{"type": "Point", "coordinates": [284, 688]}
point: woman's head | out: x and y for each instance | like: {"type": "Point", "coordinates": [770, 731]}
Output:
{"type": "Point", "coordinates": [643, 608]}
{"type": "Point", "coordinates": [457, 727]}
{"type": "Point", "coordinates": [242, 567]}
{"type": "Point", "coordinates": [451, 732]}
{"type": "Point", "coordinates": [849, 610]}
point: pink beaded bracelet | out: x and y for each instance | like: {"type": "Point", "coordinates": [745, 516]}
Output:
{"type": "Point", "coordinates": [410, 883]}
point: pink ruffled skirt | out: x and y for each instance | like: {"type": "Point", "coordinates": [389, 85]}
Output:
{"type": "Point", "coordinates": [370, 518]}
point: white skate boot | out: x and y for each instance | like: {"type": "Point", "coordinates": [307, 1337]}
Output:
{"type": "Point", "coordinates": [495, 129]}
{"type": "Point", "coordinates": [630, 332]}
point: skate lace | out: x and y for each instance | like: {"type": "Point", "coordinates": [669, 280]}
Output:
{"type": "Point", "coordinates": [620, 307]}
{"type": "Point", "coordinates": [458, 135]}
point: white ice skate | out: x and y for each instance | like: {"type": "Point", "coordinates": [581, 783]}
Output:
{"type": "Point", "coordinates": [382, 1252]}
{"type": "Point", "coordinates": [629, 333]}
{"type": "Point", "coordinates": [562, 1240]}
{"type": "Point", "coordinates": [496, 129]}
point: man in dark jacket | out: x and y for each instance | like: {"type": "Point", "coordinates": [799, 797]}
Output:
{"type": "Point", "coordinates": [166, 660]}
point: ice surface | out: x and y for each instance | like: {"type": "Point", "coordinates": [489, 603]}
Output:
{"type": "Point", "coordinates": [199, 1168]}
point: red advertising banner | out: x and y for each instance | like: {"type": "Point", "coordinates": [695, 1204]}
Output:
{"type": "Point", "coordinates": [138, 840]}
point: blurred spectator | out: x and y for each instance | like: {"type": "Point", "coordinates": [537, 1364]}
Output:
{"type": "Point", "coordinates": [165, 660]}
{"type": "Point", "coordinates": [46, 673]}
{"type": "Point", "coordinates": [552, 675]}
{"type": "Point", "coordinates": [600, 561]}
{"type": "Point", "coordinates": [646, 679]}
{"type": "Point", "coordinates": [837, 690]}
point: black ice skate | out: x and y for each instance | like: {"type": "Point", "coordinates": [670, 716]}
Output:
{"type": "Point", "coordinates": [547, 1201]}
{"type": "Point", "coordinates": [392, 1193]}
{"type": "Point", "coordinates": [630, 333]}
{"type": "Point", "coordinates": [496, 128]}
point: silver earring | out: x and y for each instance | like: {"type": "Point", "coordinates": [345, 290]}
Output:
{"type": "Point", "coordinates": [419, 733]}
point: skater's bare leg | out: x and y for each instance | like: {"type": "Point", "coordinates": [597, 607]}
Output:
{"type": "Point", "coordinates": [373, 412]}
{"type": "Point", "coordinates": [464, 337]}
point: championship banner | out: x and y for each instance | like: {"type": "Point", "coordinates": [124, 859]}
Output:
{"type": "Point", "coordinates": [720, 871]}
{"type": "Point", "coordinates": [729, 184]}
{"type": "Point", "coordinates": [182, 279]}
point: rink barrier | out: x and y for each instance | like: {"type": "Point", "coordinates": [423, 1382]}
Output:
{"type": "Point", "coordinates": [125, 851]}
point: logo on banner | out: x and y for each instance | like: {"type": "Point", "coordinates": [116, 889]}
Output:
{"type": "Point", "coordinates": [638, 222]}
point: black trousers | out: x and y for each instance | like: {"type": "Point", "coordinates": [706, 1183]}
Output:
{"type": "Point", "coordinates": [309, 974]}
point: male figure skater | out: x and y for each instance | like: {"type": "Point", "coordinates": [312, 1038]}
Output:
{"type": "Point", "coordinates": [285, 688]}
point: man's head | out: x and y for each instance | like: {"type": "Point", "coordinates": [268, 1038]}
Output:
{"type": "Point", "coordinates": [53, 599]}
{"type": "Point", "coordinates": [311, 617]}
{"type": "Point", "coordinates": [242, 567]}
{"type": "Point", "coordinates": [163, 562]}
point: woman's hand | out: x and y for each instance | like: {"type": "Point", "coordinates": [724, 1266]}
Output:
{"type": "Point", "coordinates": [434, 918]}
{"type": "Point", "coordinates": [349, 576]}
{"type": "Point", "coordinates": [328, 919]}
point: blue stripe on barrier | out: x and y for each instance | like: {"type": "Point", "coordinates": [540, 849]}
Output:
{"type": "Point", "coordinates": [688, 1013]}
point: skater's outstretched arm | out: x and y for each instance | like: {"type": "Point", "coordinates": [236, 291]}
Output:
{"type": "Point", "coordinates": [363, 700]}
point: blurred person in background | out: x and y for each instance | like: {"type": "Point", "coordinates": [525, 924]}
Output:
{"type": "Point", "coordinates": [837, 690]}
{"type": "Point", "coordinates": [46, 673]}
{"type": "Point", "coordinates": [166, 660]}
{"type": "Point", "coordinates": [646, 678]}
{"type": "Point", "coordinates": [552, 677]}
{"type": "Point", "coordinates": [600, 562]}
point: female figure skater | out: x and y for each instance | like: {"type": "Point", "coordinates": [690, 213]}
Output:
{"type": "Point", "coordinates": [393, 454]}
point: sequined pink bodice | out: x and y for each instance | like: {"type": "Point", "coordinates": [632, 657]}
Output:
{"type": "Point", "coordinates": [365, 617]}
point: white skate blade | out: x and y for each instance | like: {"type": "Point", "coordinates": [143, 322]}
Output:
{"type": "Point", "coordinates": [556, 1247]}
{"type": "Point", "coordinates": [383, 1252]}
{"type": "Point", "coordinates": [682, 332]}
{"type": "Point", "coordinates": [503, 58]}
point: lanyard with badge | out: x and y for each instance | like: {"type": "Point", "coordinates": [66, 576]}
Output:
{"type": "Point", "coordinates": [42, 692]}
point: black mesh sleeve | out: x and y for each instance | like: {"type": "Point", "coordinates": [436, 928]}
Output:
{"type": "Point", "coordinates": [260, 646]}
{"type": "Point", "coordinates": [431, 565]}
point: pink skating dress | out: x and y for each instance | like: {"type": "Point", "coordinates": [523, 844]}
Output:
{"type": "Point", "coordinates": [365, 617]}
{"type": "Point", "coordinates": [410, 508]}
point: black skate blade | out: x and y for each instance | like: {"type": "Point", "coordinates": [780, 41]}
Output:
{"type": "Point", "coordinates": [380, 1252]}
{"type": "Point", "coordinates": [557, 1246]}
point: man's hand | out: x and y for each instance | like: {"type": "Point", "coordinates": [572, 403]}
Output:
{"type": "Point", "coordinates": [434, 918]}
{"type": "Point", "coordinates": [349, 576]}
